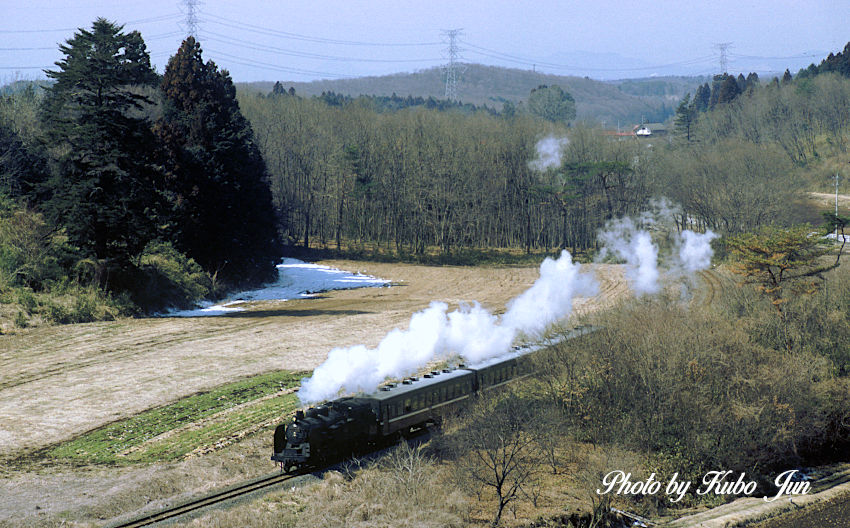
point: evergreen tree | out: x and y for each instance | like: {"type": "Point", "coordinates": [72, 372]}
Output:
{"type": "Point", "coordinates": [741, 82]}
{"type": "Point", "coordinates": [223, 213]}
{"type": "Point", "coordinates": [702, 99]}
{"type": "Point", "coordinates": [838, 63]}
{"type": "Point", "coordinates": [103, 189]}
{"type": "Point", "coordinates": [725, 91]}
{"type": "Point", "coordinates": [685, 118]}
{"type": "Point", "coordinates": [552, 104]}
{"type": "Point", "coordinates": [22, 168]}
{"type": "Point", "coordinates": [752, 82]}
{"type": "Point", "coordinates": [786, 77]}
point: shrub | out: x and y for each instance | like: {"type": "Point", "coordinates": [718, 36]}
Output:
{"type": "Point", "coordinates": [704, 385]}
{"type": "Point", "coordinates": [409, 492]}
{"type": "Point", "coordinates": [169, 279]}
{"type": "Point", "coordinates": [31, 251]}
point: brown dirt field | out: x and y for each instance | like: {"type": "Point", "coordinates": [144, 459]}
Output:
{"type": "Point", "coordinates": [828, 199]}
{"type": "Point", "coordinates": [57, 382]}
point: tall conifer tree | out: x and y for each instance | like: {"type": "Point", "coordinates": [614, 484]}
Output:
{"type": "Point", "coordinates": [223, 214]}
{"type": "Point", "coordinates": [102, 190]}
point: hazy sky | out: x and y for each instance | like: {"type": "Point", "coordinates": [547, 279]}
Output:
{"type": "Point", "coordinates": [310, 39]}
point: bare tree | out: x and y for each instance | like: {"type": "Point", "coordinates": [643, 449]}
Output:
{"type": "Point", "coordinates": [496, 449]}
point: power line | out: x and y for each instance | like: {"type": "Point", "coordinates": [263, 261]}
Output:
{"type": "Point", "coordinates": [234, 24]}
{"type": "Point", "coordinates": [532, 62]}
{"type": "Point", "coordinates": [129, 22]}
{"type": "Point", "coordinates": [254, 63]}
{"type": "Point", "coordinates": [226, 39]}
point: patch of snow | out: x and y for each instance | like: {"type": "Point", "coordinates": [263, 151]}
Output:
{"type": "Point", "coordinates": [296, 280]}
{"type": "Point", "coordinates": [838, 238]}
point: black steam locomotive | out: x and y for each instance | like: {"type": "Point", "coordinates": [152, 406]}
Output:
{"type": "Point", "coordinates": [339, 428]}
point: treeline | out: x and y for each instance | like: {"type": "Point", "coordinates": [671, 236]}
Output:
{"type": "Point", "coordinates": [415, 179]}
{"type": "Point", "coordinates": [739, 158]}
{"type": "Point", "coordinates": [122, 182]}
{"type": "Point", "coordinates": [386, 103]}
{"type": "Point", "coordinates": [838, 63]}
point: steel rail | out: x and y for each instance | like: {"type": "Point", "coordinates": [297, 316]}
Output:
{"type": "Point", "coordinates": [205, 500]}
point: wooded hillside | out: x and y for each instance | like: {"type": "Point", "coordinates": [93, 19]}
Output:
{"type": "Point", "coordinates": [633, 101]}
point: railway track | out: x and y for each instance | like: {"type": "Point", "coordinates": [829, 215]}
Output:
{"type": "Point", "coordinates": [714, 285]}
{"type": "Point", "coordinates": [203, 501]}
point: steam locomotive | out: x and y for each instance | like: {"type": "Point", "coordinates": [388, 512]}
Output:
{"type": "Point", "coordinates": [350, 425]}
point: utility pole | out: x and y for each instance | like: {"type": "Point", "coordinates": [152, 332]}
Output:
{"type": "Point", "coordinates": [724, 62]}
{"type": "Point", "coordinates": [451, 68]}
{"type": "Point", "coordinates": [836, 207]}
{"type": "Point", "coordinates": [191, 17]}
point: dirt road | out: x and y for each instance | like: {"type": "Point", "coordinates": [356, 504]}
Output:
{"type": "Point", "coordinates": [828, 199]}
{"type": "Point", "coordinates": [57, 382]}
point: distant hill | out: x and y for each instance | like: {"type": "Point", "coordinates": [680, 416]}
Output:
{"type": "Point", "coordinates": [627, 102]}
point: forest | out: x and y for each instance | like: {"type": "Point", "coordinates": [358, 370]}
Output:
{"type": "Point", "coordinates": [413, 179]}
{"type": "Point", "coordinates": [114, 180]}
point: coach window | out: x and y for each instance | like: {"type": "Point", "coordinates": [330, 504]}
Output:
{"type": "Point", "coordinates": [407, 405]}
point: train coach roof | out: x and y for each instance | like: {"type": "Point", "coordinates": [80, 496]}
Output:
{"type": "Point", "coordinates": [421, 383]}
{"type": "Point", "coordinates": [522, 350]}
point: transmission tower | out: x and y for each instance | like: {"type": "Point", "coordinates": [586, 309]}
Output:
{"type": "Point", "coordinates": [452, 68]}
{"type": "Point", "coordinates": [723, 47]}
{"type": "Point", "coordinates": [191, 22]}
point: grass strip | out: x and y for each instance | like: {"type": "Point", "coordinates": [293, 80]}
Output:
{"type": "Point", "coordinates": [104, 445]}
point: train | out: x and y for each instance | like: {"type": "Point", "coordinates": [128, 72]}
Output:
{"type": "Point", "coordinates": [350, 425]}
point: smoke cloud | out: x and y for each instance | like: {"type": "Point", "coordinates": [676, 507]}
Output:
{"type": "Point", "coordinates": [470, 332]}
{"type": "Point", "coordinates": [626, 241]}
{"type": "Point", "coordinates": [549, 151]}
{"type": "Point", "coordinates": [651, 244]}
{"type": "Point", "coordinates": [695, 250]}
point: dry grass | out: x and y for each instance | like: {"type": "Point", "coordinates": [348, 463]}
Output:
{"type": "Point", "coordinates": [90, 496]}
{"type": "Point", "coordinates": [405, 490]}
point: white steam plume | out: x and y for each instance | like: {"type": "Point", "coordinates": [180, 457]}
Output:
{"type": "Point", "coordinates": [695, 250]}
{"type": "Point", "coordinates": [626, 241]}
{"type": "Point", "coordinates": [470, 332]}
{"type": "Point", "coordinates": [631, 240]}
{"type": "Point", "coordinates": [550, 298]}
{"type": "Point", "coordinates": [548, 152]}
